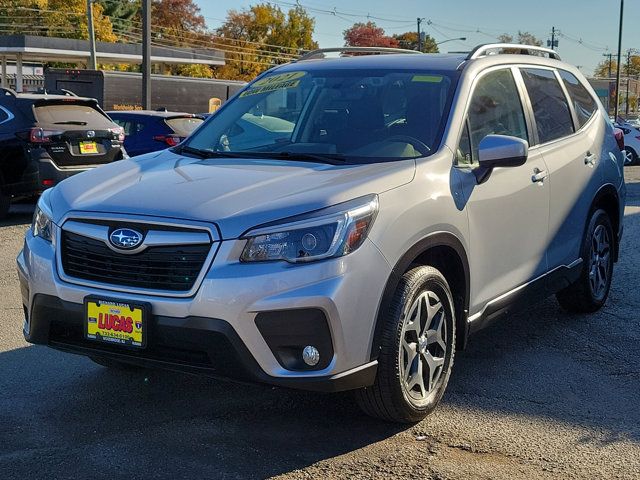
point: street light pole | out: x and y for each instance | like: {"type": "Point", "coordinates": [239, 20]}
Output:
{"type": "Point", "coordinates": [92, 37]}
{"type": "Point", "coordinates": [146, 54]}
{"type": "Point", "coordinates": [617, 108]}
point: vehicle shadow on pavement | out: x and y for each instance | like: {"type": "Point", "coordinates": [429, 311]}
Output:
{"type": "Point", "coordinates": [580, 370]}
{"type": "Point", "coordinates": [86, 416]}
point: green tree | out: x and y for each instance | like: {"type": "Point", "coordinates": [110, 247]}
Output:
{"type": "Point", "coordinates": [122, 14]}
{"type": "Point", "coordinates": [54, 18]}
{"type": "Point", "coordinates": [523, 38]}
{"type": "Point", "coordinates": [409, 40]}
{"type": "Point", "coordinates": [602, 70]}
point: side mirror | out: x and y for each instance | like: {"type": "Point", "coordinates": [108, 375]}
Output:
{"type": "Point", "coordinates": [500, 151]}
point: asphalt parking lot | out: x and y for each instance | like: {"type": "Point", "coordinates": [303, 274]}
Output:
{"type": "Point", "coordinates": [541, 395]}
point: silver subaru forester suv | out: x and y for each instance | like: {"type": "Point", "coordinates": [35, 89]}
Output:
{"type": "Point", "coordinates": [340, 224]}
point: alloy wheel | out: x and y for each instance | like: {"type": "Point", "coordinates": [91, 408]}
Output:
{"type": "Point", "coordinates": [600, 262]}
{"type": "Point", "coordinates": [423, 347]}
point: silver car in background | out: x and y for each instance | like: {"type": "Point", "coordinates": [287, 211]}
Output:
{"type": "Point", "coordinates": [341, 224]}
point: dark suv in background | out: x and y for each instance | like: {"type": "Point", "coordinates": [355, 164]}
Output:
{"type": "Point", "coordinates": [47, 138]}
{"type": "Point", "coordinates": [148, 131]}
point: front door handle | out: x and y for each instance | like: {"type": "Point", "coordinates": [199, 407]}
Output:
{"type": "Point", "coordinates": [539, 175]}
{"type": "Point", "coordinates": [590, 159]}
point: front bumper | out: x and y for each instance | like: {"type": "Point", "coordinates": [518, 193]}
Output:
{"type": "Point", "coordinates": [215, 332]}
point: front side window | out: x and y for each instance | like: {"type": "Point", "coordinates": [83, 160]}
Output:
{"type": "Point", "coordinates": [550, 107]}
{"type": "Point", "coordinates": [583, 103]}
{"type": "Point", "coordinates": [359, 116]}
{"type": "Point", "coordinates": [495, 109]}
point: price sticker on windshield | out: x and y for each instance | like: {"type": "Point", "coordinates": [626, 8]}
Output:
{"type": "Point", "coordinates": [274, 82]}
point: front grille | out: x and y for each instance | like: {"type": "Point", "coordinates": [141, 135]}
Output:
{"type": "Point", "coordinates": [169, 268]}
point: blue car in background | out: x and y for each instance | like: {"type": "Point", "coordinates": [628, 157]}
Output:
{"type": "Point", "coordinates": [148, 131]}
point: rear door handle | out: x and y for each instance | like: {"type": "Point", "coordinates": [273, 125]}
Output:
{"type": "Point", "coordinates": [590, 159]}
{"type": "Point", "coordinates": [539, 175]}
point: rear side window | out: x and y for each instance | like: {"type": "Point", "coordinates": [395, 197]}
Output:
{"type": "Point", "coordinates": [495, 109]}
{"type": "Point", "coordinates": [583, 103]}
{"type": "Point", "coordinates": [550, 107]}
{"type": "Point", "coordinates": [184, 126]}
{"type": "Point", "coordinates": [71, 114]}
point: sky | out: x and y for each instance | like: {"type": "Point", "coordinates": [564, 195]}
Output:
{"type": "Point", "coordinates": [588, 28]}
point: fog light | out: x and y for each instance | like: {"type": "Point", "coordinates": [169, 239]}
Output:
{"type": "Point", "coordinates": [311, 355]}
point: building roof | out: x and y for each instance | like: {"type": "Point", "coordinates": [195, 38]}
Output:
{"type": "Point", "coordinates": [34, 48]}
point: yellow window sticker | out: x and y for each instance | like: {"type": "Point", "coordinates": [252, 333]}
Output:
{"type": "Point", "coordinates": [274, 82]}
{"type": "Point", "coordinates": [427, 78]}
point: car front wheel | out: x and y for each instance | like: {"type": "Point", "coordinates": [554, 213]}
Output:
{"type": "Point", "coordinates": [417, 349]}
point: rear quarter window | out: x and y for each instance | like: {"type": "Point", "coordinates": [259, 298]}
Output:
{"type": "Point", "coordinates": [550, 107]}
{"type": "Point", "coordinates": [583, 103]}
{"type": "Point", "coordinates": [71, 114]}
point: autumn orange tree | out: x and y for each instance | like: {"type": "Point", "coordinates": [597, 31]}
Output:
{"type": "Point", "coordinates": [261, 36]}
{"type": "Point", "coordinates": [368, 35]}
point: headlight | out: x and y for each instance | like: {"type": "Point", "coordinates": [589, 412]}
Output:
{"type": "Point", "coordinates": [42, 225]}
{"type": "Point", "coordinates": [331, 232]}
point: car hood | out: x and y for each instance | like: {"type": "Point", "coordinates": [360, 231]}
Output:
{"type": "Point", "coordinates": [236, 194]}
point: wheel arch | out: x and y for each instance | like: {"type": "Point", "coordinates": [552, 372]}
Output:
{"type": "Point", "coordinates": [608, 199]}
{"type": "Point", "coordinates": [441, 250]}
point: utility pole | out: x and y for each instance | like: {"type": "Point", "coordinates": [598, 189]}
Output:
{"type": "Point", "coordinates": [631, 52]}
{"type": "Point", "coordinates": [553, 43]}
{"type": "Point", "coordinates": [610, 57]}
{"type": "Point", "coordinates": [419, 34]}
{"type": "Point", "coordinates": [92, 37]}
{"type": "Point", "coordinates": [616, 111]}
{"type": "Point", "coordinates": [146, 54]}
{"type": "Point", "coordinates": [626, 106]}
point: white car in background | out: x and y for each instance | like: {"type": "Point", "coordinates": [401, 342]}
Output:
{"type": "Point", "coordinates": [631, 142]}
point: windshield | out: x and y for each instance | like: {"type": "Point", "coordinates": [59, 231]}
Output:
{"type": "Point", "coordinates": [363, 116]}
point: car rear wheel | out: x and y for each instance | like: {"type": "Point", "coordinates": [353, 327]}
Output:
{"type": "Point", "coordinates": [630, 156]}
{"type": "Point", "coordinates": [417, 350]}
{"type": "Point", "coordinates": [590, 291]}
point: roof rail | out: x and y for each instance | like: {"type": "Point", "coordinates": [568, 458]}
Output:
{"type": "Point", "coordinates": [320, 53]}
{"type": "Point", "coordinates": [511, 48]}
{"type": "Point", "coordinates": [8, 91]}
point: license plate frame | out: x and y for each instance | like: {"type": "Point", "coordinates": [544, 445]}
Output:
{"type": "Point", "coordinates": [117, 338]}
{"type": "Point", "coordinates": [88, 148]}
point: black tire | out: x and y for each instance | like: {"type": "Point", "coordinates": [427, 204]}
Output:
{"type": "Point", "coordinates": [114, 364]}
{"type": "Point", "coordinates": [581, 296]}
{"type": "Point", "coordinates": [389, 398]}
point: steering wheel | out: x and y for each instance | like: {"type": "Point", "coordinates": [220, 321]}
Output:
{"type": "Point", "coordinates": [422, 147]}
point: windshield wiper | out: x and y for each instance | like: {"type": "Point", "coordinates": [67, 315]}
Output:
{"type": "Point", "coordinates": [203, 153]}
{"type": "Point", "coordinates": [70, 122]}
{"type": "Point", "coordinates": [330, 158]}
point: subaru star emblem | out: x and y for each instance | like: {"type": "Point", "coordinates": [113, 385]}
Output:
{"type": "Point", "coordinates": [125, 238]}
{"type": "Point", "coordinates": [91, 134]}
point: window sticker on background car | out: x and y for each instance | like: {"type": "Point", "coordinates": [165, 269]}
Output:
{"type": "Point", "coordinates": [274, 82]}
{"type": "Point", "coordinates": [427, 78]}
